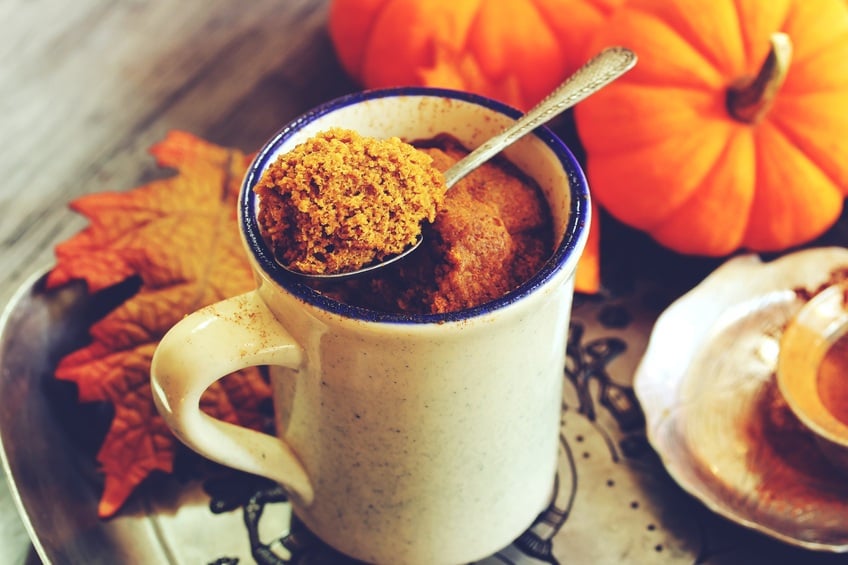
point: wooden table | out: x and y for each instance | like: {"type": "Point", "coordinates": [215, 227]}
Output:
{"type": "Point", "coordinates": [86, 87]}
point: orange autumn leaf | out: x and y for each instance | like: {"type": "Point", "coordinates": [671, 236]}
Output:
{"type": "Point", "coordinates": [179, 237]}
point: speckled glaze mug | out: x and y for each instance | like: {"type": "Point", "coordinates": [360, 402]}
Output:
{"type": "Point", "coordinates": [402, 439]}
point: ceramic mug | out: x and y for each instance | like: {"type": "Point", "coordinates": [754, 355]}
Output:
{"type": "Point", "coordinates": [400, 438]}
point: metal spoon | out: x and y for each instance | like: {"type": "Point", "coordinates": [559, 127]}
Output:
{"type": "Point", "coordinates": [595, 74]}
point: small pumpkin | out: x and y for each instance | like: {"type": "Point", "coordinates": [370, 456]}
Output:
{"type": "Point", "coordinates": [732, 131]}
{"type": "Point", "coordinates": [515, 51]}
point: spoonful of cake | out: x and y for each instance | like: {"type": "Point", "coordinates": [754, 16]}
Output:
{"type": "Point", "coordinates": [342, 204]}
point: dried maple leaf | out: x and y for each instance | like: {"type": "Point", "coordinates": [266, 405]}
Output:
{"type": "Point", "coordinates": [180, 237]}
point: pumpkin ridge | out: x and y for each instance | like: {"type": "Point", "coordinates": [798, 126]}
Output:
{"type": "Point", "coordinates": [462, 49]}
{"type": "Point", "coordinates": [474, 22]}
{"type": "Point", "coordinates": [747, 46]}
{"type": "Point", "coordinates": [707, 57]}
{"type": "Point", "coordinates": [708, 173]}
{"type": "Point", "coordinates": [815, 200]}
{"type": "Point", "coordinates": [720, 66]}
{"type": "Point", "coordinates": [545, 16]}
{"type": "Point", "coordinates": [834, 89]}
{"type": "Point", "coordinates": [607, 151]}
{"type": "Point", "coordinates": [503, 74]}
{"type": "Point", "coordinates": [626, 186]}
{"type": "Point", "coordinates": [809, 56]}
{"type": "Point", "coordinates": [638, 80]}
{"type": "Point", "coordinates": [790, 30]}
{"type": "Point", "coordinates": [801, 147]}
{"type": "Point", "coordinates": [682, 111]}
{"type": "Point", "coordinates": [352, 50]}
{"type": "Point", "coordinates": [368, 35]}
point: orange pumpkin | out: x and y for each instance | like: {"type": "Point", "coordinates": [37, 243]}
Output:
{"type": "Point", "coordinates": [513, 50]}
{"type": "Point", "coordinates": [698, 147]}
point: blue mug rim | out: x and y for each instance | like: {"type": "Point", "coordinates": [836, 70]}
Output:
{"type": "Point", "coordinates": [577, 221]}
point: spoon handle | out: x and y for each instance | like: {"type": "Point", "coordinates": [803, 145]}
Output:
{"type": "Point", "coordinates": [598, 72]}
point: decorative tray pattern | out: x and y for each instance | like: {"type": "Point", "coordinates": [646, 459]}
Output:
{"type": "Point", "coordinates": [614, 502]}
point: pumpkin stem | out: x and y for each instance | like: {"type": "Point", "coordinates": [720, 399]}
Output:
{"type": "Point", "coordinates": [750, 100]}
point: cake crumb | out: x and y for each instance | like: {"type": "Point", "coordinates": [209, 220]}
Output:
{"type": "Point", "coordinates": [341, 201]}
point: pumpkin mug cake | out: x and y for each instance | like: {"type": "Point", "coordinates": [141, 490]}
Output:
{"type": "Point", "coordinates": [404, 436]}
{"type": "Point", "coordinates": [339, 201]}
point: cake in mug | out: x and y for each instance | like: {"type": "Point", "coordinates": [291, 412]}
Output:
{"type": "Point", "coordinates": [482, 238]}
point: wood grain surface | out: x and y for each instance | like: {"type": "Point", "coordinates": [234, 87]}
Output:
{"type": "Point", "coordinates": [86, 87]}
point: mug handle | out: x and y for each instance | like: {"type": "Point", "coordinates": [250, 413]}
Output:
{"type": "Point", "coordinates": [205, 346]}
